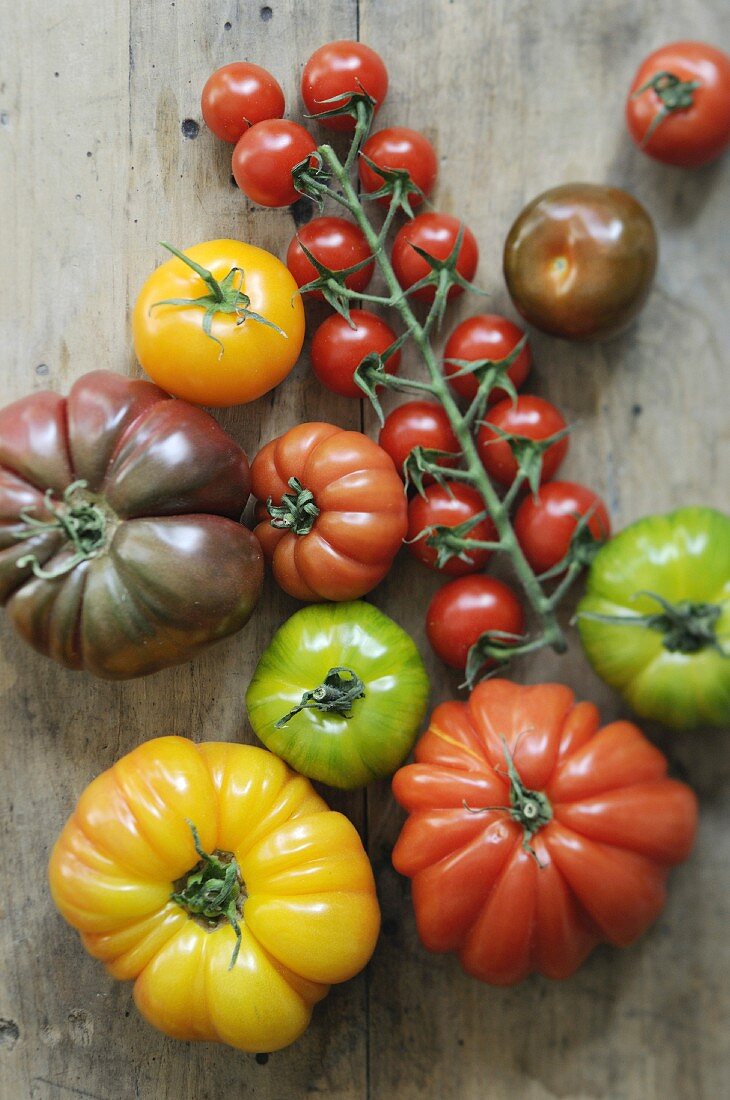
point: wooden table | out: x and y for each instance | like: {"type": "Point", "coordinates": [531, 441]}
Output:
{"type": "Point", "coordinates": [99, 166]}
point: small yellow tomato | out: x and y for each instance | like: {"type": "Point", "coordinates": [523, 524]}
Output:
{"type": "Point", "coordinates": [220, 883]}
{"type": "Point", "coordinates": [220, 324]}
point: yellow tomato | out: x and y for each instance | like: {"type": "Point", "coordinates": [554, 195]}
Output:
{"type": "Point", "coordinates": [303, 897]}
{"type": "Point", "coordinates": [220, 324]}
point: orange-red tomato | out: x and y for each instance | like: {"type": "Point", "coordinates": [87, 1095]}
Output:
{"type": "Point", "coordinates": [336, 511]}
{"type": "Point", "coordinates": [534, 835]}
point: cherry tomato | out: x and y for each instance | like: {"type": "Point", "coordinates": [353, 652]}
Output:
{"type": "Point", "coordinates": [448, 505]}
{"type": "Point", "coordinates": [678, 109]}
{"type": "Point", "coordinates": [238, 96]}
{"type": "Point", "coordinates": [338, 349]}
{"type": "Point", "coordinates": [435, 234]}
{"type": "Point", "coordinates": [341, 67]}
{"type": "Point", "coordinates": [466, 608]}
{"type": "Point", "coordinates": [403, 149]}
{"type": "Point", "coordinates": [337, 244]}
{"type": "Point", "coordinates": [414, 424]}
{"type": "Point", "coordinates": [579, 260]}
{"type": "Point", "coordinates": [264, 157]}
{"type": "Point", "coordinates": [530, 417]}
{"type": "Point", "coordinates": [485, 336]}
{"type": "Point", "coordinates": [544, 524]}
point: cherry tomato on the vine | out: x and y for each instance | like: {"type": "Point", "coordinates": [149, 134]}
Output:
{"type": "Point", "coordinates": [264, 157]}
{"type": "Point", "coordinates": [466, 608]}
{"type": "Point", "coordinates": [678, 109]}
{"type": "Point", "coordinates": [544, 524]}
{"type": "Point", "coordinates": [485, 336]}
{"type": "Point", "coordinates": [449, 505]}
{"type": "Point", "coordinates": [402, 149]}
{"type": "Point", "coordinates": [436, 234]}
{"type": "Point", "coordinates": [341, 67]}
{"type": "Point", "coordinates": [418, 424]}
{"type": "Point", "coordinates": [530, 417]}
{"type": "Point", "coordinates": [337, 244]}
{"type": "Point", "coordinates": [338, 348]}
{"type": "Point", "coordinates": [238, 96]}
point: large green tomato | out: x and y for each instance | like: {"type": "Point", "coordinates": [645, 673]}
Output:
{"type": "Point", "coordinates": [340, 693]}
{"type": "Point", "coordinates": [655, 620]}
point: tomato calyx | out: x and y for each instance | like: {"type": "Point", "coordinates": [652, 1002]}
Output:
{"type": "Point", "coordinates": [225, 296]}
{"type": "Point", "coordinates": [687, 627]}
{"type": "Point", "coordinates": [530, 809]}
{"type": "Point", "coordinates": [443, 275]}
{"type": "Point", "coordinates": [397, 185]}
{"type": "Point", "coordinates": [213, 891]}
{"type": "Point", "coordinates": [454, 542]}
{"type": "Point", "coordinates": [297, 510]}
{"type": "Point", "coordinates": [528, 453]}
{"type": "Point", "coordinates": [674, 94]}
{"type": "Point", "coordinates": [332, 284]}
{"type": "Point", "coordinates": [490, 374]}
{"type": "Point", "coordinates": [81, 517]}
{"type": "Point", "coordinates": [357, 104]}
{"type": "Point", "coordinates": [337, 692]}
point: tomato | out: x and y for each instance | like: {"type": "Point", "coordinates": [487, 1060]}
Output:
{"type": "Point", "coordinates": [332, 511]}
{"type": "Point", "coordinates": [264, 157]}
{"type": "Point", "coordinates": [436, 234]}
{"type": "Point", "coordinates": [466, 608]}
{"type": "Point", "coordinates": [404, 150]}
{"type": "Point", "coordinates": [485, 336]}
{"type": "Point", "coordinates": [337, 244]}
{"type": "Point", "coordinates": [338, 68]}
{"type": "Point", "coordinates": [418, 424]}
{"type": "Point", "coordinates": [579, 260]}
{"type": "Point", "coordinates": [449, 505]}
{"type": "Point", "coordinates": [256, 323]}
{"type": "Point", "coordinates": [238, 96]}
{"type": "Point", "coordinates": [115, 502]}
{"type": "Point", "coordinates": [533, 835]}
{"type": "Point", "coordinates": [339, 694]}
{"type": "Point", "coordinates": [655, 620]}
{"type": "Point", "coordinates": [338, 349]}
{"type": "Point", "coordinates": [678, 109]}
{"type": "Point", "coordinates": [144, 890]}
{"type": "Point", "coordinates": [529, 417]}
{"type": "Point", "coordinates": [545, 523]}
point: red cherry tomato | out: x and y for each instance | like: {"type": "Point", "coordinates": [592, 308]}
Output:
{"type": "Point", "coordinates": [237, 97]}
{"type": "Point", "coordinates": [435, 234]}
{"type": "Point", "coordinates": [532, 418]}
{"type": "Point", "coordinates": [485, 336]}
{"type": "Point", "coordinates": [338, 349]}
{"type": "Point", "coordinates": [448, 505]}
{"type": "Point", "coordinates": [678, 109]}
{"type": "Point", "coordinates": [402, 149]}
{"type": "Point", "coordinates": [466, 608]}
{"type": "Point", "coordinates": [264, 157]}
{"type": "Point", "coordinates": [544, 524]}
{"type": "Point", "coordinates": [414, 424]}
{"type": "Point", "coordinates": [337, 244]}
{"type": "Point", "coordinates": [341, 67]}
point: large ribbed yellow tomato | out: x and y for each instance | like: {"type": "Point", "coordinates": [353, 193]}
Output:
{"type": "Point", "coordinates": [219, 881]}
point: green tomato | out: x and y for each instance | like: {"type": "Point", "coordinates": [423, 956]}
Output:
{"type": "Point", "coordinates": [340, 694]}
{"type": "Point", "coordinates": [655, 620]}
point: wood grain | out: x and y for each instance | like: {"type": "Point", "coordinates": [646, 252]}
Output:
{"type": "Point", "coordinates": [517, 95]}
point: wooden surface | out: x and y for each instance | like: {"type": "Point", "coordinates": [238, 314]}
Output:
{"type": "Point", "coordinates": [517, 95]}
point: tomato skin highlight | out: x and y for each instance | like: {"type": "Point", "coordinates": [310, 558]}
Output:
{"type": "Point", "coordinates": [436, 234]}
{"type": "Point", "coordinates": [406, 150]}
{"type": "Point", "coordinates": [418, 424]}
{"type": "Point", "coordinates": [544, 524]}
{"type": "Point", "coordinates": [449, 505]}
{"type": "Point", "coordinates": [338, 349]}
{"type": "Point", "coordinates": [337, 68]}
{"type": "Point", "coordinates": [691, 136]}
{"type": "Point", "coordinates": [485, 336]}
{"type": "Point", "coordinates": [530, 417]}
{"type": "Point", "coordinates": [338, 244]}
{"type": "Point", "coordinates": [464, 609]}
{"type": "Point", "coordinates": [264, 157]}
{"type": "Point", "coordinates": [238, 96]}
